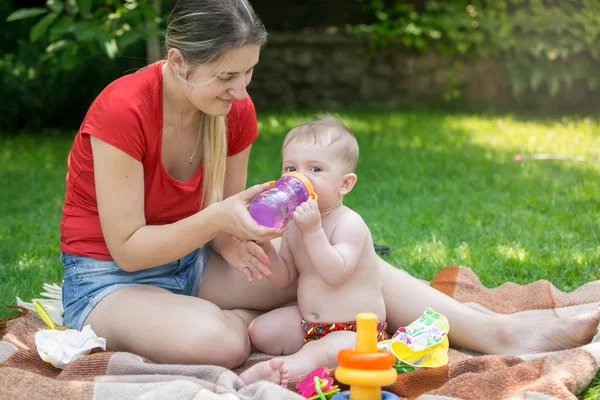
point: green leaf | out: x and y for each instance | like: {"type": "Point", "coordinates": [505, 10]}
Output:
{"type": "Point", "coordinates": [71, 7]}
{"type": "Point", "coordinates": [26, 13]}
{"type": "Point", "coordinates": [102, 37]}
{"type": "Point", "coordinates": [110, 48]}
{"type": "Point", "coordinates": [82, 32]}
{"type": "Point", "coordinates": [128, 38]}
{"type": "Point", "coordinates": [41, 27]}
{"type": "Point", "coordinates": [85, 7]}
{"type": "Point", "coordinates": [55, 5]}
{"type": "Point", "coordinates": [381, 16]}
{"type": "Point", "coordinates": [60, 44]}
{"type": "Point", "coordinates": [69, 58]}
{"type": "Point", "coordinates": [62, 26]}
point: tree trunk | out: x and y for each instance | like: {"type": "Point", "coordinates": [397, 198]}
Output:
{"type": "Point", "coordinates": [153, 43]}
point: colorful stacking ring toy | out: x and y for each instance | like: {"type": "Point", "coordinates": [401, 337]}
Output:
{"type": "Point", "coordinates": [365, 368]}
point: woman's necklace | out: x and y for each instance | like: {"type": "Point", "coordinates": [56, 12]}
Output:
{"type": "Point", "coordinates": [191, 163]}
{"type": "Point", "coordinates": [191, 158]}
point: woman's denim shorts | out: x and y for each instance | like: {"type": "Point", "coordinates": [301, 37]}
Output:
{"type": "Point", "coordinates": [87, 281]}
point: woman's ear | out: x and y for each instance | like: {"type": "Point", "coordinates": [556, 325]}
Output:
{"type": "Point", "coordinates": [176, 62]}
{"type": "Point", "coordinates": [348, 183]}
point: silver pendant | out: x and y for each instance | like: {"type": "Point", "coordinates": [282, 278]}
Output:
{"type": "Point", "coordinates": [191, 163]}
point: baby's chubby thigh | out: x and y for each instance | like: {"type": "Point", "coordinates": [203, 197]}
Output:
{"type": "Point", "coordinates": [278, 332]}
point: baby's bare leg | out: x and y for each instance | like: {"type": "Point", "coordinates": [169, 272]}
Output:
{"type": "Point", "coordinates": [319, 353]}
{"type": "Point", "coordinates": [273, 370]}
{"type": "Point", "coordinates": [315, 354]}
{"type": "Point", "coordinates": [278, 332]}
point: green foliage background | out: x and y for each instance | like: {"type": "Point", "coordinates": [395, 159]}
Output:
{"type": "Point", "coordinates": [546, 45]}
{"type": "Point", "coordinates": [58, 54]}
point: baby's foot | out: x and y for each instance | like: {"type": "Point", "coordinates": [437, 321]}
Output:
{"type": "Point", "coordinates": [559, 334]}
{"type": "Point", "coordinates": [273, 370]}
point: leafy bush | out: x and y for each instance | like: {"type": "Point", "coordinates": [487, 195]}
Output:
{"type": "Point", "coordinates": [74, 27]}
{"type": "Point", "coordinates": [56, 62]}
{"type": "Point", "coordinates": [544, 43]}
{"type": "Point", "coordinates": [40, 93]}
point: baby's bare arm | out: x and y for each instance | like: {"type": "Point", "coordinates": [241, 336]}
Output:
{"type": "Point", "coordinates": [282, 265]}
{"type": "Point", "coordinates": [336, 261]}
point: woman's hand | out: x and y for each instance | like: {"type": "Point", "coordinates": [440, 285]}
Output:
{"type": "Point", "coordinates": [246, 256]}
{"type": "Point", "coordinates": [307, 217]}
{"type": "Point", "coordinates": [233, 217]}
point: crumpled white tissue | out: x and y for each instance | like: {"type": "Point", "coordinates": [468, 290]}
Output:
{"type": "Point", "coordinates": [61, 348]}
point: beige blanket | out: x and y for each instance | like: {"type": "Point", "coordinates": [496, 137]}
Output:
{"type": "Point", "coordinates": [107, 375]}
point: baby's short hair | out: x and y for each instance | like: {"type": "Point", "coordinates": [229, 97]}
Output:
{"type": "Point", "coordinates": [325, 131]}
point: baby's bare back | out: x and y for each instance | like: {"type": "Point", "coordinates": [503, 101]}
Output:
{"type": "Point", "coordinates": [360, 292]}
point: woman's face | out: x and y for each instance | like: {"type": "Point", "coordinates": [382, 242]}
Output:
{"type": "Point", "coordinates": [213, 87]}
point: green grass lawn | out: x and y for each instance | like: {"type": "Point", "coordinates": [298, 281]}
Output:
{"type": "Point", "coordinates": [439, 189]}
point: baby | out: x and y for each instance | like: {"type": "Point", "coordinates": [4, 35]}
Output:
{"type": "Point", "coordinates": [328, 250]}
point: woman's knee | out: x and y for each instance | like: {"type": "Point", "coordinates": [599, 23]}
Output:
{"type": "Point", "coordinates": [214, 340]}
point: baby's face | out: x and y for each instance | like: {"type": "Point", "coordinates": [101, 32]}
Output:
{"type": "Point", "coordinates": [322, 165]}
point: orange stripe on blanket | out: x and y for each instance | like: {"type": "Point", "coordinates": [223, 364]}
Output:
{"type": "Point", "coordinates": [413, 384]}
{"type": "Point", "coordinates": [29, 360]}
{"type": "Point", "coordinates": [445, 280]}
{"type": "Point", "coordinates": [95, 364]}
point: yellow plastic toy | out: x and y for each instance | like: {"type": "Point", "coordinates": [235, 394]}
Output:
{"type": "Point", "coordinates": [41, 311]}
{"type": "Point", "coordinates": [422, 344]}
{"type": "Point", "coordinates": [365, 368]}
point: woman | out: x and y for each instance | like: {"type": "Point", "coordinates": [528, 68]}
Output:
{"type": "Point", "coordinates": [156, 240]}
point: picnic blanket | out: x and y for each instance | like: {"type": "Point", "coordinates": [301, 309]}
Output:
{"type": "Point", "coordinates": [118, 375]}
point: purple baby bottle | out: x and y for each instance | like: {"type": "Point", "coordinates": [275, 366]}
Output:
{"type": "Point", "coordinates": [274, 207]}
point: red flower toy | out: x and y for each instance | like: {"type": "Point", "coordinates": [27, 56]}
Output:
{"type": "Point", "coordinates": [317, 385]}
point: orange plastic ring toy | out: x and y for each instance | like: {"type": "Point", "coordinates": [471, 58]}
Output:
{"type": "Point", "coordinates": [352, 359]}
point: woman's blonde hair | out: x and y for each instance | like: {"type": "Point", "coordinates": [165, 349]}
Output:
{"type": "Point", "coordinates": [202, 30]}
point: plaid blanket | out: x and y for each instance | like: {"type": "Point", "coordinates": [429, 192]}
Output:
{"type": "Point", "coordinates": [110, 375]}
{"type": "Point", "coordinates": [113, 375]}
{"type": "Point", "coordinates": [556, 375]}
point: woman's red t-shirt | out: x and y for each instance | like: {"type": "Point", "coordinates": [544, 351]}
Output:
{"type": "Point", "coordinates": [128, 115]}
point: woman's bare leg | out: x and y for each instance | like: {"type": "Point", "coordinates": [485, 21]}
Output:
{"type": "Point", "coordinates": [224, 286]}
{"type": "Point", "coordinates": [406, 298]}
{"type": "Point", "coordinates": [170, 328]}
